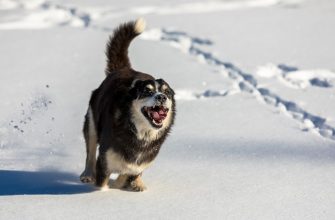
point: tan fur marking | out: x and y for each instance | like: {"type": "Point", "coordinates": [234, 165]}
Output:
{"type": "Point", "coordinates": [120, 181]}
{"type": "Point", "coordinates": [149, 86]}
{"type": "Point", "coordinates": [164, 87]}
{"type": "Point", "coordinates": [137, 184]}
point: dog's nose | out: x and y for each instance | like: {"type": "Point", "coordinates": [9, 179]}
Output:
{"type": "Point", "coordinates": [161, 98]}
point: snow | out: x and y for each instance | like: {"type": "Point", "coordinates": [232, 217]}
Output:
{"type": "Point", "coordinates": [298, 78]}
{"type": "Point", "coordinates": [255, 131]}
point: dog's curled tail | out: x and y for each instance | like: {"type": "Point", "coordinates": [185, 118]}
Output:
{"type": "Point", "coordinates": [117, 46]}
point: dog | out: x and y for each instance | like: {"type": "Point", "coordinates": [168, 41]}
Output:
{"type": "Point", "coordinates": [129, 116]}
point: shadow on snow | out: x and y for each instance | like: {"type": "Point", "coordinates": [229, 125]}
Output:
{"type": "Point", "coordinates": [15, 182]}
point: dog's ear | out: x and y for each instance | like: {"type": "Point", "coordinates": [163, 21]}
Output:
{"type": "Point", "coordinates": [133, 92]}
{"type": "Point", "coordinates": [161, 81]}
{"type": "Point", "coordinates": [134, 89]}
{"type": "Point", "coordinates": [172, 92]}
{"type": "Point", "coordinates": [169, 90]}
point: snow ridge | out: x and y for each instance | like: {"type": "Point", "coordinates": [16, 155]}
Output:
{"type": "Point", "coordinates": [210, 93]}
{"type": "Point", "coordinates": [209, 6]}
{"type": "Point", "coordinates": [45, 14]}
{"type": "Point", "coordinates": [246, 82]}
{"type": "Point", "coordinates": [295, 78]}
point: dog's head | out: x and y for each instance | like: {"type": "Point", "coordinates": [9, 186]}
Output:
{"type": "Point", "coordinates": [153, 104]}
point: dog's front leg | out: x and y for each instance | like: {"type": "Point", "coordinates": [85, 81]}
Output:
{"type": "Point", "coordinates": [102, 172]}
{"type": "Point", "coordinates": [90, 135]}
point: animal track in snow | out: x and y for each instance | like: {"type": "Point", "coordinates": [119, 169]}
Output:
{"type": "Point", "coordinates": [45, 14]}
{"type": "Point", "coordinates": [246, 82]}
{"type": "Point", "coordinates": [293, 77]}
{"type": "Point", "coordinates": [210, 93]}
{"type": "Point", "coordinates": [37, 14]}
{"type": "Point", "coordinates": [210, 6]}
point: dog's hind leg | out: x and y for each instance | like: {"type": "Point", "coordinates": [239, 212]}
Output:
{"type": "Point", "coordinates": [90, 136]}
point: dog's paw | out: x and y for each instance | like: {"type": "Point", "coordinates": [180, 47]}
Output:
{"type": "Point", "coordinates": [136, 186]}
{"type": "Point", "coordinates": [129, 183]}
{"type": "Point", "coordinates": [87, 177]}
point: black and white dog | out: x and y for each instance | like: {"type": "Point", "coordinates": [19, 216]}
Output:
{"type": "Point", "coordinates": [129, 116]}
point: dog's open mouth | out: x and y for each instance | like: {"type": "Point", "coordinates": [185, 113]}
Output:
{"type": "Point", "coordinates": [155, 114]}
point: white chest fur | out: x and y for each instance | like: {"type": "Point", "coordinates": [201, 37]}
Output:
{"type": "Point", "coordinates": [117, 164]}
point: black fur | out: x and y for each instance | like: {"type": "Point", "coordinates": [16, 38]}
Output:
{"type": "Point", "coordinates": [111, 107]}
{"type": "Point", "coordinates": [117, 47]}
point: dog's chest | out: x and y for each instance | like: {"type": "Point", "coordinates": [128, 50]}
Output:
{"type": "Point", "coordinates": [117, 164]}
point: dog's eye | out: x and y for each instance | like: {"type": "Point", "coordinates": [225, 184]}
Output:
{"type": "Point", "coordinates": [148, 91]}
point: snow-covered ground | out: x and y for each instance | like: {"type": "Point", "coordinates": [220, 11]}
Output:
{"type": "Point", "coordinates": [255, 131]}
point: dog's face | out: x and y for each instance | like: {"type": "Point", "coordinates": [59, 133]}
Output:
{"type": "Point", "coordinates": [152, 105]}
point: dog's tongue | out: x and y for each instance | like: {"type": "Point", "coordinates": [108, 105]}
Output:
{"type": "Point", "coordinates": [160, 115]}
{"type": "Point", "coordinates": [156, 116]}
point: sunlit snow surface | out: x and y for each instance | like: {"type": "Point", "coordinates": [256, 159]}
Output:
{"type": "Point", "coordinates": [255, 131]}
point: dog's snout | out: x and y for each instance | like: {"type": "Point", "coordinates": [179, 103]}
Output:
{"type": "Point", "coordinates": [161, 98]}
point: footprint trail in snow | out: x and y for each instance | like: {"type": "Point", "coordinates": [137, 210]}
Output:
{"type": "Point", "coordinates": [246, 82]}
